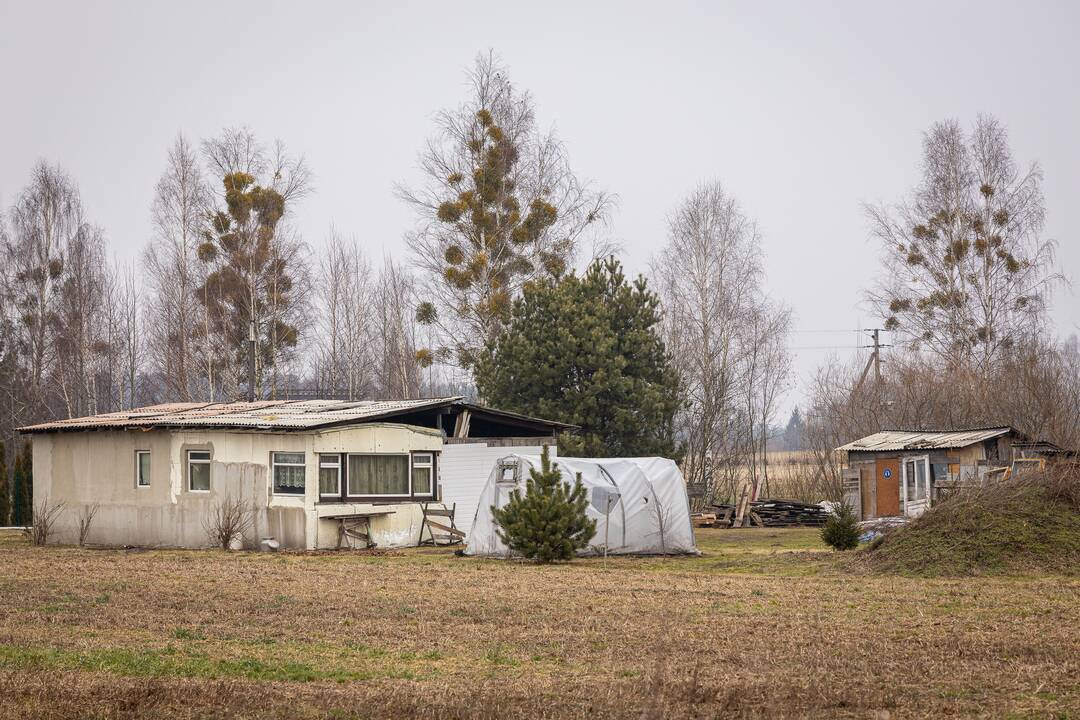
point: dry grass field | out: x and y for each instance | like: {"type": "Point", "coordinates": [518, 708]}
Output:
{"type": "Point", "coordinates": [766, 623]}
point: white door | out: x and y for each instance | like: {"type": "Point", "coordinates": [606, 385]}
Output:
{"type": "Point", "coordinates": [915, 485]}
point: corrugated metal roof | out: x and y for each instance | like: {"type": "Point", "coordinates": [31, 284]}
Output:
{"type": "Point", "coordinates": [888, 440]}
{"type": "Point", "coordinates": [269, 414]}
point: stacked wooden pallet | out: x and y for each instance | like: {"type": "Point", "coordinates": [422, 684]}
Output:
{"type": "Point", "coordinates": [763, 513]}
{"type": "Point", "coordinates": [785, 513]}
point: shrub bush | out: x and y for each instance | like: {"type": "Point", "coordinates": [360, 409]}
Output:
{"type": "Point", "coordinates": [841, 530]}
{"type": "Point", "coordinates": [548, 522]}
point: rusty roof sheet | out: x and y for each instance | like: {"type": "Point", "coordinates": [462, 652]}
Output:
{"type": "Point", "coordinates": [264, 415]}
{"type": "Point", "coordinates": [891, 440]}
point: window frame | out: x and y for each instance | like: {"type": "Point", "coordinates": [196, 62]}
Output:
{"type": "Point", "coordinates": [189, 462]}
{"type": "Point", "coordinates": [408, 476]}
{"type": "Point", "coordinates": [274, 464]}
{"type": "Point", "coordinates": [340, 474]}
{"type": "Point", "coordinates": [138, 470]}
{"type": "Point", "coordinates": [430, 465]}
{"type": "Point", "coordinates": [913, 491]}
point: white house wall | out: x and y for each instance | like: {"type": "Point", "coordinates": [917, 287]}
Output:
{"type": "Point", "coordinates": [465, 470]}
{"type": "Point", "coordinates": [80, 469]}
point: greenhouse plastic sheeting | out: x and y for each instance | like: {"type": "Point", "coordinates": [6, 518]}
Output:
{"type": "Point", "coordinates": [652, 516]}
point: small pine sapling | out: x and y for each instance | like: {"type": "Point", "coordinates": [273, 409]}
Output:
{"type": "Point", "coordinates": [549, 522]}
{"type": "Point", "coordinates": [841, 530]}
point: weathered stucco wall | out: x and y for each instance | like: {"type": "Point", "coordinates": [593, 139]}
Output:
{"type": "Point", "coordinates": [83, 468]}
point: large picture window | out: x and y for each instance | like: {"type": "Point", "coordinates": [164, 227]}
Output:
{"type": "Point", "coordinates": [198, 466]}
{"type": "Point", "coordinates": [379, 475]}
{"type": "Point", "coordinates": [288, 473]}
{"type": "Point", "coordinates": [329, 474]}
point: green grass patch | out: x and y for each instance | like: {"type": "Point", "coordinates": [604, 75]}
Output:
{"type": "Point", "coordinates": [172, 662]}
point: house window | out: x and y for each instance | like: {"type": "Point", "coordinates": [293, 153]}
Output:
{"type": "Point", "coordinates": [329, 474]}
{"type": "Point", "coordinates": [423, 474]}
{"type": "Point", "coordinates": [142, 468]}
{"type": "Point", "coordinates": [378, 475]}
{"type": "Point", "coordinates": [288, 471]}
{"type": "Point", "coordinates": [198, 462]}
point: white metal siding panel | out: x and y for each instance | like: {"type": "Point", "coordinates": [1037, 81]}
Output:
{"type": "Point", "coordinates": [464, 473]}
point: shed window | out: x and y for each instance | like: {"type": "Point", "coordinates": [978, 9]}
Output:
{"type": "Point", "coordinates": [329, 474]}
{"type": "Point", "coordinates": [288, 473]}
{"type": "Point", "coordinates": [379, 475]}
{"type": "Point", "coordinates": [423, 469]}
{"type": "Point", "coordinates": [198, 470]}
{"type": "Point", "coordinates": [142, 468]}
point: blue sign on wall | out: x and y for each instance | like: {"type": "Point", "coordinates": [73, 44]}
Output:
{"type": "Point", "coordinates": [887, 473]}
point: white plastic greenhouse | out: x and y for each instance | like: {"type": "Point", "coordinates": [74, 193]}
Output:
{"type": "Point", "coordinates": [648, 511]}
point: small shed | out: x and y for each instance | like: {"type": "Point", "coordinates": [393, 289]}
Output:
{"type": "Point", "coordinates": [903, 472]}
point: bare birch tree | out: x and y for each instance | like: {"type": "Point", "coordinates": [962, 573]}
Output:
{"type": "Point", "coordinates": [499, 207]}
{"type": "Point", "coordinates": [346, 304]}
{"type": "Point", "coordinates": [45, 218]}
{"type": "Point", "coordinates": [966, 271]}
{"type": "Point", "coordinates": [397, 368]}
{"type": "Point", "coordinates": [80, 324]}
{"type": "Point", "coordinates": [173, 275]}
{"type": "Point", "coordinates": [256, 264]}
{"type": "Point", "coordinates": [727, 340]}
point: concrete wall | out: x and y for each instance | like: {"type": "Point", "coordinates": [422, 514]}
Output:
{"type": "Point", "coordinates": [83, 468]}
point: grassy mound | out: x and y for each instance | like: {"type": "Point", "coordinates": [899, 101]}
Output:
{"type": "Point", "coordinates": [1028, 524]}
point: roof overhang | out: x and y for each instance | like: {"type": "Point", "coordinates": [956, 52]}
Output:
{"type": "Point", "coordinates": [902, 440]}
{"type": "Point", "coordinates": [281, 416]}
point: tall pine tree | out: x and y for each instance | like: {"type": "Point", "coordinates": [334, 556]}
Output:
{"type": "Point", "coordinates": [586, 350]}
{"type": "Point", "coordinates": [22, 502]}
{"type": "Point", "coordinates": [549, 521]}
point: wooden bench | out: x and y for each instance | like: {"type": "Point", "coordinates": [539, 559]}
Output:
{"type": "Point", "coordinates": [356, 526]}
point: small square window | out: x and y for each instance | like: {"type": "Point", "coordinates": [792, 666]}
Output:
{"type": "Point", "coordinates": [142, 468]}
{"type": "Point", "coordinates": [288, 473]}
{"type": "Point", "coordinates": [198, 470]}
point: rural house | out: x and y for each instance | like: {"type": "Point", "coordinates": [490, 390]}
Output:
{"type": "Point", "coordinates": [314, 473]}
{"type": "Point", "coordinates": [903, 472]}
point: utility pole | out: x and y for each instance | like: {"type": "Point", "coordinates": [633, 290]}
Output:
{"type": "Point", "coordinates": [877, 355]}
{"type": "Point", "coordinates": [874, 359]}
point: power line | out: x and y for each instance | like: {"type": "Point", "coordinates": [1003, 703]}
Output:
{"type": "Point", "coordinates": [826, 347]}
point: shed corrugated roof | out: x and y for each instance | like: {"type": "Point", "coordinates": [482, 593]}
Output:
{"type": "Point", "coordinates": [267, 415]}
{"type": "Point", "coordinates": [890, 440]}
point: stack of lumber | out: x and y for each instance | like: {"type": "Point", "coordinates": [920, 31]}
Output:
{"type": "Point", "coordinates": [784, 513]}
{"type": "Point", "coordinates": [703, 519]}
{"type": "Point", "coordinates": [763, 513]}
{"type": "Point", "coordinates": [713, 516]}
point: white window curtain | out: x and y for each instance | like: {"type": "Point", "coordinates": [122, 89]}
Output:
{"type": "Point", "coordinates": [378, 475]}
{"type": "Point", "coordinates": [289, 473]}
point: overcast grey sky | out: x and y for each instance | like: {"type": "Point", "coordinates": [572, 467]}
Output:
{"type": "Point", "coordinates": [803, 110]}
